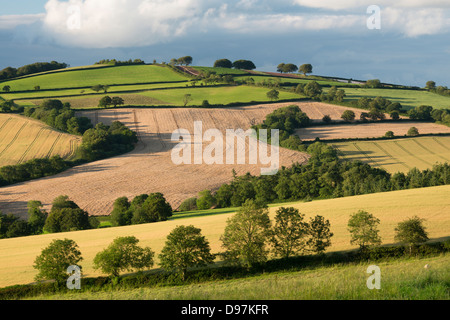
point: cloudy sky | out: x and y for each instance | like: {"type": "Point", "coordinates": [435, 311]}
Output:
{"type": "Point", "coordinates": [411, 45]}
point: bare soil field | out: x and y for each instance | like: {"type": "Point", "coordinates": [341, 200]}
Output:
{"type": "Point", "coordinates": [367, 130]}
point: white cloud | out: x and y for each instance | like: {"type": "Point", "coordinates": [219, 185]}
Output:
{"type": "Point", "coordinates": [352, 4]}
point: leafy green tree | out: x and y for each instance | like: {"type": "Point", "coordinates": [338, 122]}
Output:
{"type": "Point", "coordinates": [185, 247]}
{"type": "Point", "coordinates": [374, 83]}
{"type": "Point", "coordinates": [289, 68]}
{"type": "Point", "coordinates": [289, 232]}
{"type": "Point", "coordinates": [413, 132]}
{"type": "Point", "coordinates": [36, 217]}
{"type": "Point", "coordinates": [187, 98]}
{"type": "Point", "coordinates": [188, 205]}
{"type": "Point", "coordinates": [389, 134]}
{"type": "Point", "coordinates": [66, 215]}
{"type": "Point", "coordinates": [97, 88]}
{"type": "Point", "coordinates": [205, 200]}
{"type": "Point", "coordinates": [124, 254]}
{"type": "Point", "coordinates": [280, 67]}
{"type": "Point", "coordinates": [430, 85]}
{"type": "Point", "coordinates": [394, 115]}
{"type": "Point", "coordinates": [246, 235]}
{"type": "Point", "coordinates": [313, 89]}
{"type": "Point", "coordinates": [155, 208]}
{"type": "Point", "coordinates": [306, 68]}
{"type": "Point", "coordinates": [121, 214]}
{"type": "Point", "coordinates": [363, 230]}
{"type": "Point", "coordinates": [37, 88]}
{"type": "Point", "coordinates": [273, 95]}
{"type": "Point", "coordinates": [348, 115]}
{"type": "Point", "coordinates": [105, 102]}
{"type": "Point", "coordinates": [187, 60]}
{"type": "Point", "coordinates": [320, 234]}
{"type": "Point", "coordinates": [326, 118]}
{"type": "Point", "coordinates": [54, 260]}
{"type": "Point", "coordinates": [223, 63]}
{"type": "Point", "coordinates": [411, 232]}
{"type": "Point", "coordinates": [244, 65]}
{"type": "Point", "coordinates": [117, 101]}
{"type": "Point", "coordinates": [6, 88]}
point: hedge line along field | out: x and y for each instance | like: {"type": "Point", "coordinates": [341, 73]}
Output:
{"type": "Point", "coordinates": [17, 255]}
{"type": "Point", "coordinates": [401, 279]}
{"type": "Point", "coordinates": [398, 155]}
{"type": "Point", "coordinates": [23, 139]}
{"type": "Point", "coordinates": [92, 77]}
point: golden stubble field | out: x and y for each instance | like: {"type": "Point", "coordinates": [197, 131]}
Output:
{"type": "Point", "coordinates": [149, 168]}
{"type": "Point", "coordinates": [433, 204]}
{"type": "Point", "coordinates": [23, 139]}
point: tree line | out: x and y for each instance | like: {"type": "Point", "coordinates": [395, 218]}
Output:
{"type": "Point", "coordinates": [10, 72]}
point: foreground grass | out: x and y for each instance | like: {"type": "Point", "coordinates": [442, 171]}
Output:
{"type": "Point", "coordinates": [400, 279]}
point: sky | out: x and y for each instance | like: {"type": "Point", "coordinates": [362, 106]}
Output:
{"type": "Point", "coordinates": [403, 42]}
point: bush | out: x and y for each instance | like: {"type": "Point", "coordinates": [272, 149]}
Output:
{"type": "Point", "coordinates": [413, 132]}
{"type": "Point", "coordinates": [188, 205]}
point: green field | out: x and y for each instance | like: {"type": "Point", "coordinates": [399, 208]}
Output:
{"type": "Point", "coordinates": [404, 279]}
{"type": "Point", "coordinates": [91, 77]}
{"type": "Point", "coordinates": [398, 155]}
{"type": "Point", "coordinates": [17, 255]}
{"type": "Point", "coordinates": [407, 98]}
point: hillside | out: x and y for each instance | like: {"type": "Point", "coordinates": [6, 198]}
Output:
{"type": "Point", "coordinates": [17, 255]}
{"type": "Point", "coordinates": [23, 139]}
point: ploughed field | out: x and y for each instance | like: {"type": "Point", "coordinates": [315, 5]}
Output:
{"type": "Point", "coordinates": [23, 139]}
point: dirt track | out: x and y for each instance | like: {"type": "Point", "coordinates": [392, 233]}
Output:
{"type": "Point", "coordinates": [149, 167]}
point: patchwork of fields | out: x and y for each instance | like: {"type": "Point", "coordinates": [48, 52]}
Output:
{"type": "Point", "coordinates": [398, 155]}
{"type": "Point", "coordinates": [23, 139]}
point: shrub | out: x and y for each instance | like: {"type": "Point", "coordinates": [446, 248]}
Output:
{"type": "Point", "coordinates": [188, 205]}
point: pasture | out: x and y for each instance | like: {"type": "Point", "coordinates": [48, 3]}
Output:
{"type": "Point", "coordinates": [398, 155]}
{"type": "Point", "coordinates": [23, 139]}
{"type": "Point", "coordinates": [17, 255]}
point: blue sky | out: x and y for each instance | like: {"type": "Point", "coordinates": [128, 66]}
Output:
{"type": "Point", "coordinates": [411, 47]}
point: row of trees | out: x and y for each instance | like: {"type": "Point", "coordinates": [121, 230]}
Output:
{"type": "Point", "coordinates": [37, 67]}
{"type": "Point", "coordinates": [115, 62]}
{"type": "Point", "coordinates": [186, 61]}
{"type": "Point", "coordinates": [248, 239]}
{"type": "Point", "coordinates": [238, 64]}
{"type": "Point", "coordinates": [65, 215]}
{"type": "Point", "coordinates": [442, 90]}
{"type": "Point", "coordinates": [427, 113]}
{"type": "Point", "coordinates": [107, 101]}
{"type": "Point", "coordinates": [290, 68]}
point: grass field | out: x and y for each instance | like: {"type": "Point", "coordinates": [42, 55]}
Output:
{"type": "Point", "coordinates": [404, 279]}
{"type": "Point", "coordinates": [91, 77]}
{"type": "Point", "coordinates": [408, 98]}
{"type": "Point", "coordinates": [23, 139]}
{"type": "Point", "coordinates": [17, 255]}
{"type": "Point", "coordinates": [398, 155]}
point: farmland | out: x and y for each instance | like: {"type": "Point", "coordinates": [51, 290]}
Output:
{"type": "Point", "coordinates": [17, 255]}
{"type": "Point", "coordinates": [398, 155]}
{"type": "Point", "coordinates": [23, 139]}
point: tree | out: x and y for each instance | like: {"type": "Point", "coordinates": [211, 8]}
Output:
{"type": "Point", "coordinates": [121, 214]}
{"type": "Point", "coordinates": [188, 205]}
{"type": "Point", "coordinates": [280, 67]}
{"type": "Point", "coordinates": [306, 68]}
{"type": "Point", "coordinates": [394, 115]}
{"type": "Point", "coordinates": [430, 85]}
{"type": "Point", "coordinates": [155, 208]}
{"type": "Point", "coordinates": [187, 98]}
{"type": "Point", "coordinates": [374, 83]}
{"type": "Point", "coordinates": [273, 94]}
{"type": "Point", "coordinates": [289, 68]}
{"type": "Point", "coordinates": [36, 217]}
{"type": "Point", "coordinates": [37, 88]}
{"type": "Point", "coordinates": [124, 254]}
{"type": "Point", "coordinates": [244, 64]}
{"type": "Point", "coordinates": [54, 260]}
{"type": "Point", "coordinates": [363, 230]}
{"type": "Point", "coordinates": [6, 88]}
{"type": "Point", "coordinates": [320, 234]}
{"type": "Point", "coordinates": [246, 235]}
{"type": "Point", "coordinates": [105, 102]}
{"type": "Point", "coordinates": [312, 89]}
{"type": "Point", "coordinates": [348, 115]}
{"type": "Point", "coordinates": [326, 118]}
{"type": "Point", "coordinates": [413, 132]}
{"type": "Point", "coordinates": [411, 232]}
{"type": "Point", "coordinates": [205, 200]}
{"type": "Point", "coordinates": [97, 87]}
{"type": "Point", "coordinates": [117, 101]}
{"type": "Point", "coordinates": [187, 60]}
{"type": "Point", "coordinates": [389, 134]}
{"type": "Point", "coordinates": [289, 232]}
{"type": "Point", "coordinates": [223, 63]}
{"type": "Point", "coordinates": [185, 247]}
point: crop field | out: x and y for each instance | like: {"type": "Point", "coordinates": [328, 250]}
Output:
{"type": "Point", "coordinates": [399, 155]}
{"type": "Point", "coordinates": [149, 168]}
{"type": "Point", "coordinates": [368, 130]}
{"type": "Point", "coordinates": [17, 255]}
{"type": "Point", "coordinates": [91, 77]}
{"type": "Point", "coordinates": [23, 139]}
{"type": "Point", "coordinates": [409, 99]}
